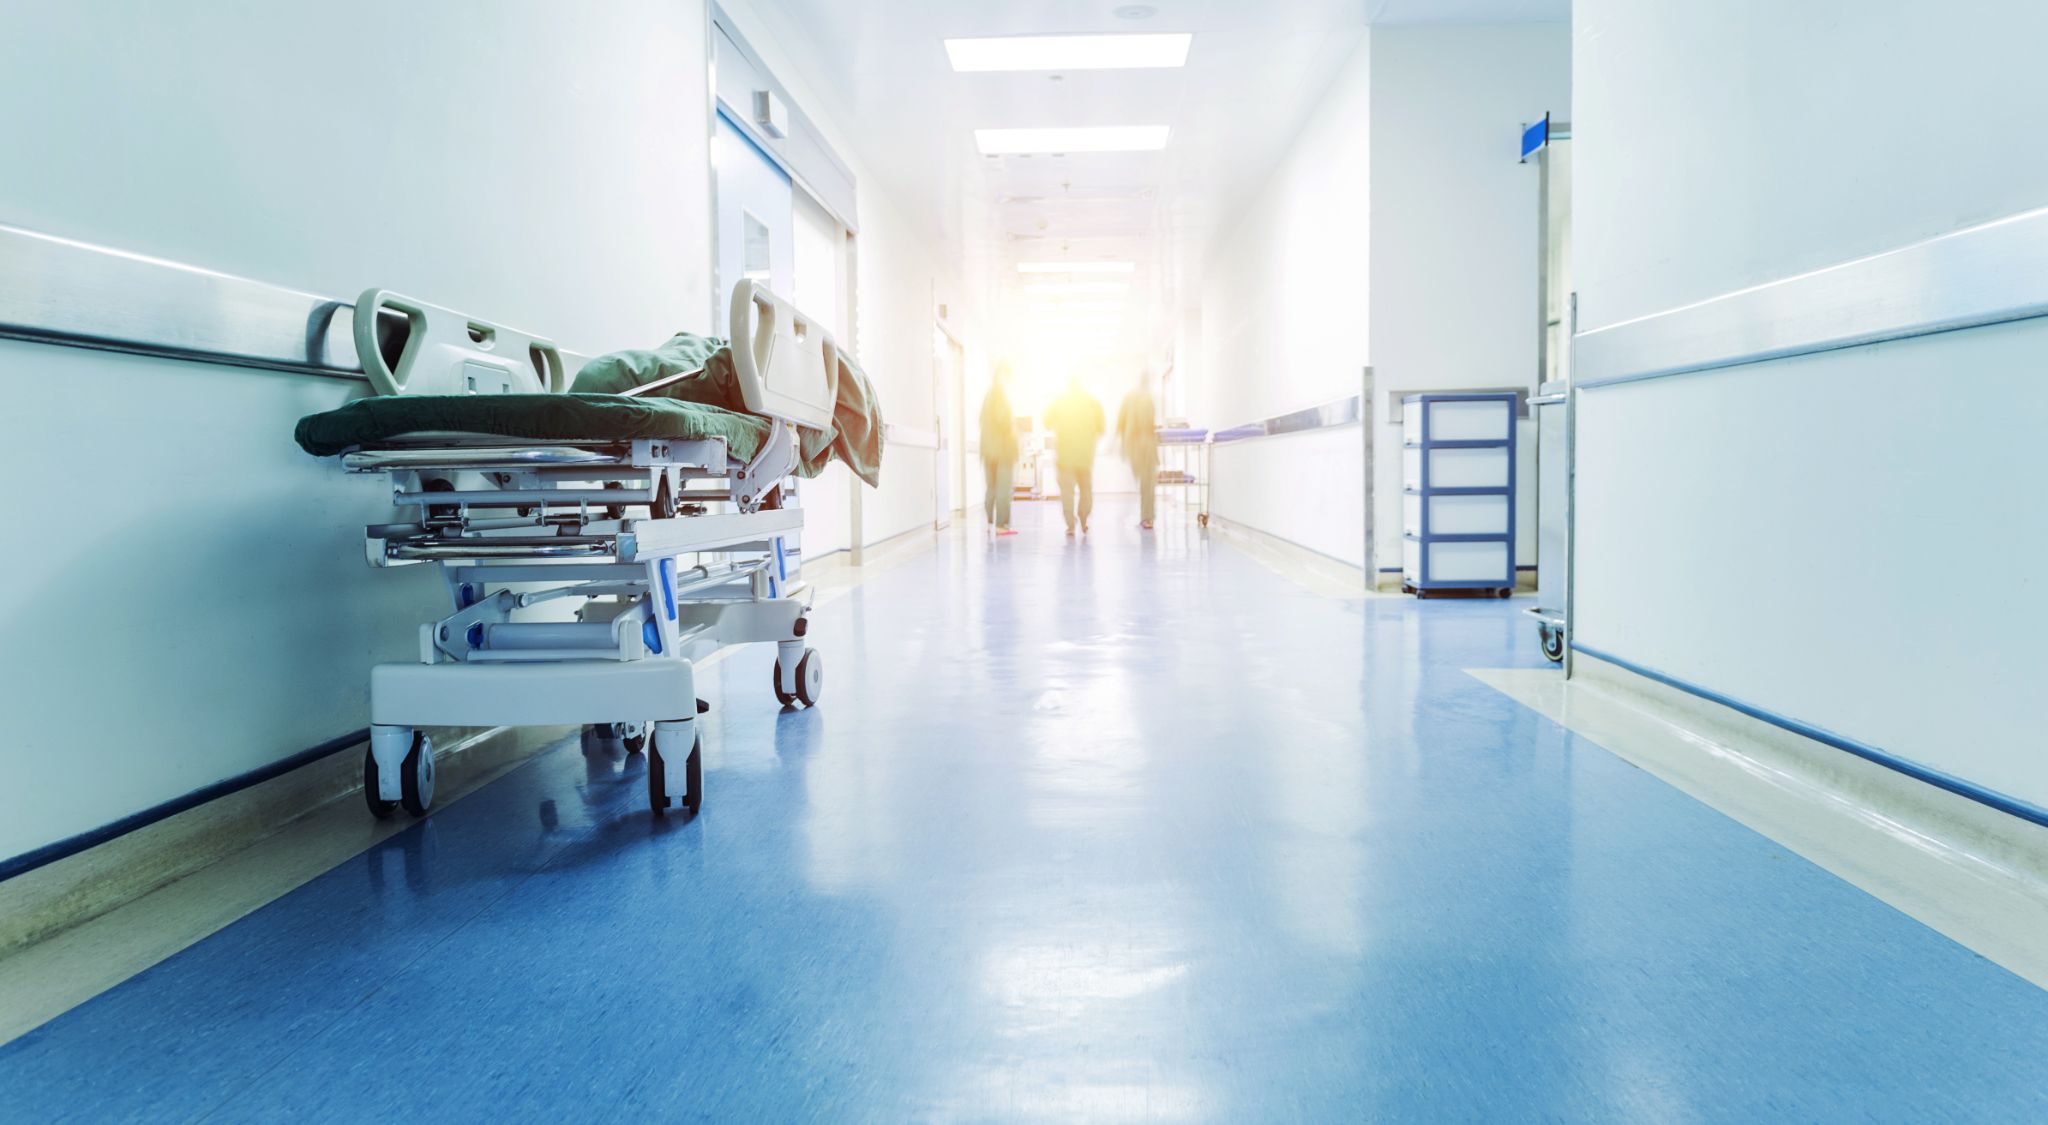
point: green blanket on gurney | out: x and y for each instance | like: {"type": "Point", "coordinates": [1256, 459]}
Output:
{"type": "Point", "coordinates": [704, 403]}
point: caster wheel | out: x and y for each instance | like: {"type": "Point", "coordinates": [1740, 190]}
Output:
{"type": "Point", "coordinates": [781, 696]}
{"type": "Point", "coordinates": [634, 736]}
{"type": "Point", "coordinates": [1553, 644]}
{"type": "Point", "coordinates": [379, 807]}
{"type": "Point", "coordinates": [810, 677]}
{"type": "Point", "coordinates": [693, 779]}
{"type": "Point", "coordinates": [443, 511]}
{"type": "Point", "coordinates": [417, 782]}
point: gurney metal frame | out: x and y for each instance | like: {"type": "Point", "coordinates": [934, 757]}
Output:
{"type": "Point", "coordinates": [609, 524]}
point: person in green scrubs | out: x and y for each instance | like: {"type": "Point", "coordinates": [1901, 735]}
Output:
{"type": "Point", "coordinates": [1076, 421]}
{"type": "Point", "coordinates": [998, 450]}
{"type": "Point", "coordinates": [1137, 431]}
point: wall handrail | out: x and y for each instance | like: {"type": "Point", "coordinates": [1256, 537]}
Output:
{"type": "Point", "coordinates": [61, 291]}
{"type": "Point", "coordinates": [1991, 273]}
{"type": "Point", "coordinates": [1346, 411]}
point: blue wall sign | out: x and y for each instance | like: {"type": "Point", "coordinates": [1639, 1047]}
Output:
{"type": "Point", "coordinates": [1534, 137]}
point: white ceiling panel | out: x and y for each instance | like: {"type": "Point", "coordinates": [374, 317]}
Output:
{"type": "Point", "coordinates": [1252, 72]}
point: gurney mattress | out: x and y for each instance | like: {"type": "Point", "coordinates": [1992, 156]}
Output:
{"type": "Point", "coordinates": [703, 403]}
{"type": "Point", "coordinates": [534, 417]}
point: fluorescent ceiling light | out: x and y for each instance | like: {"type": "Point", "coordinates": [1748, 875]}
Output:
{"type": "Point", "coordinates": [1081, 333]}
{"type": "Point", "coordinates": [1070, 52]}
{"type": "Point", "coordinates": [1086, 138]}
{"type": "Point", "coordinates": [1077, 287]}
{"type": "Point", "coordinates": [1076, 267]}
{"type": "Point", "coordinates": [1077, 306]}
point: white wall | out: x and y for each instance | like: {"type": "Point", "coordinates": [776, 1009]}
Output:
{"type": "Point", "coordinates": [1749, 140]}
{"type": "Point", "coordinates": [1839, 538]}
{"type": "Point", "coordinates": [1307, 488]}
{"type": "Point", "coordinates": [895, 311]}
{"type": "Point", "coordinates": [211, 613]}
{"type": "Point", "coordinates": [540, 165]}
{"type": "Point", "coordinates": [900, 278]}
{"type": "Point", "coordinates": [1454, 227]}
{"type": "Point", "coordinates": [1397, 231]}
{"type": "Point", "coordinates": [1283, 325]}
{"type": "Point", "coordinates": [820, 291]}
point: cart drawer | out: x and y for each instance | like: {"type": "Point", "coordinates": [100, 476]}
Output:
{"type": "Point", "coordinates": [1462, 515]}
{"type": "Point", "coordinates": [1489, 420]}
{"type": "Point", "coordinates": [1467, 562]}
{"type": "Point", "coordinates": [1469, 468]}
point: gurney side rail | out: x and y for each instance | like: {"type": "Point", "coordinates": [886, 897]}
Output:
{"type": "Point", "coordinates": [457, 549]}
{"type": "Point", "coordinates": [445, 457]}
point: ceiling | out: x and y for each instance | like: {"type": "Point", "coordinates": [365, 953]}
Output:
{"type": "Point", "coordinates": [1253, 71]}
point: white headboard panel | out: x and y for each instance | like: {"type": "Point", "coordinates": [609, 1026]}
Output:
{"type": "Point", "coordinates": [788, 366]}
{"type": "Point", "coordinates": [443, 352]}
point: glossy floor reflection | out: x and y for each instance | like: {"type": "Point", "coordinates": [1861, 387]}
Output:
{"type": "Point", "coordinates": [1129, 828]}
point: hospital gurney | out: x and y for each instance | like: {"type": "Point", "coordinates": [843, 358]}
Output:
{"type": "Point", "coordinates": [670, 545]}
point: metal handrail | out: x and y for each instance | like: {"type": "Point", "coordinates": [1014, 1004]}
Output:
{"type": "Point", "coordinates": [62, 291]}
{"type": "Point", "coordinates": [559, 548]}
{"type": "Point", "coordinates": [442, 457]}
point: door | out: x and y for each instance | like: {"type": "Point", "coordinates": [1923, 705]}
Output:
{"type": "Point", "coordinates": [756, 218]}
{"type": "Point", "coordinates": [947, 367]}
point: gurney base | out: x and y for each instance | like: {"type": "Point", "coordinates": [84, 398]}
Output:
{"type": "Point", "coordinates": [554, 693]}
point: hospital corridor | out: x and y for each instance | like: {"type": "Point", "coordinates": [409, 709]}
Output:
{"type": "Point", "coordinates": [1057, 561]}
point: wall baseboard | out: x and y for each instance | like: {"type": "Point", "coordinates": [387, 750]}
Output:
{"type": "Point", "coordinates": [1968, 871]}
{"type": "Point", "coordinates": [65, 892]}
{"type": "Point", "coordinates": [1940, 812]}
{"type": "Point", "coordinates": [1324, 575]}
{"type": "Point", "coordinates": [917, 535]}
{"type": "Point", "coordinates": [841, 567]}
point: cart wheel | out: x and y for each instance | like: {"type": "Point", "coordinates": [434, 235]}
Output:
{"type": "Point", "coordinates": [810, 677]}
{"type": "Point", "coordinates": [634, 735]}
{"type": "Point", "coordinates": [379, 807]}
{"type": "Point", "coordinates": [693, 778]}
{"type": "Point", "coordinates": [1553, 643]}
{"type": "Point", "coordinates": [781, 696]}
{"type": "Point", "coordinates": [417, 782]}
{"type": "Point", "coordinates": [664, 506]}
{"type": "Point", "coordinates": [438, 484]}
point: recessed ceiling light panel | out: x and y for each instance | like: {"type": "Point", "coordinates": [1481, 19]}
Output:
{"type": "Point", "coordinates": [1076, 287]}
{"type": "Point", "coordinates": [1076, 267]}
{"type": "Point", "coordinates": [1070, 52]}
{"type": "Point", "coordinates": [1097, 306]}
{"type": "Point", "coordinates": [1088, 138]}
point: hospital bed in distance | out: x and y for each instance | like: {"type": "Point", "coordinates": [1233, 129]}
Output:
{"type": "Point", "coordinates": [605, 523]}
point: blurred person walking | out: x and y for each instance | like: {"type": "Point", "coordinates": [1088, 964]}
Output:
{"type": "Point", "coordinates": [1137, 432]}
{"type": "Point", "coordinates": [1076, 421]}
{"type": "Point", "coordinates": [998, 451]}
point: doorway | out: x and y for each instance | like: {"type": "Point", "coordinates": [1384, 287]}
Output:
{"type": "Point", "coordinates": [949, 366]}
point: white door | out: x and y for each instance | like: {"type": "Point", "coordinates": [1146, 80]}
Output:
{"type": "Point", "coordinates": [756, 217]}
{"type": "Point", "coordinates": [945, 391]}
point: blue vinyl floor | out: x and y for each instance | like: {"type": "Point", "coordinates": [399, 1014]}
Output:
{"type": "Point", "coordinates": [1129, 828]}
